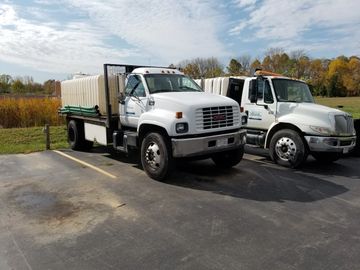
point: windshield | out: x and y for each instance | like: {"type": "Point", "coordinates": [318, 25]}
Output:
{"type": "Point", "coordinates": [292, 91]}
{"type": "Point", "coordinates": [170, 83]}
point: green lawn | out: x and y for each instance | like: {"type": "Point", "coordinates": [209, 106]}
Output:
{"type": "Point", "coordinates": [27, 140]}
{"type": "Point", "coordinates": [350, 104]}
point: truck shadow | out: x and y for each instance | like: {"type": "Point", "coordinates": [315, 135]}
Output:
{"type": "Point", "coordinates": [250, 180]}
{"type": "Point", "coordinates": [344, 167]}
{"type": "Point", "coordinates": [254, 182]}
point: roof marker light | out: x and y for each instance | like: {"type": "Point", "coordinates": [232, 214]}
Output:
{"type": "Point", "coordinates": [178, 115]}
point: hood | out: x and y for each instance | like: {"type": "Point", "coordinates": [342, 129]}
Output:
{"type": "Point", "coordinates": [309, 109]}
{"type": "Point", "coordinates": [311, 114]}
{"type": "Point", "coordinates": [193, 99]}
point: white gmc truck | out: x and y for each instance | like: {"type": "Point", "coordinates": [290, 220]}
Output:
{"type": "Point", "coordinates": [158, 110]}
{"type": "Point", "coordinates": [283, 118]}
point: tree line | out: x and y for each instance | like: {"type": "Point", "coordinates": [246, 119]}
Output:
{"type": "Point", "coordinates": [25, 85]}
{"type": "Point", "coordinates": [326, 77]}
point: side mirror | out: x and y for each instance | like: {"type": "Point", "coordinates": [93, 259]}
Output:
{"type": "Point", "coordinates": [121, 98]}
{"type": "Point", "coordinates": [253, 91]}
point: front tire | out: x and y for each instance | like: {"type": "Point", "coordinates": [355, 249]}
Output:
{"type": "Point", "coordinates": [288, 149]}
{"type": "Point", "coordinates": [228, 159]}
{"type": "Point", "coordinates": [326, 158]}
{"type": "Point", "coordinates": [156, 157]}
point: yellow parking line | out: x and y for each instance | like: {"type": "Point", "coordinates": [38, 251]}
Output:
{"type": "Point", "coordinates": [85, 164]}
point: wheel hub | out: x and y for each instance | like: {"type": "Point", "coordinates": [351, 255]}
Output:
{"type": "Point", "coordinates": [152, 155]}
{"type": "Point", "coordinates": [285, 149]}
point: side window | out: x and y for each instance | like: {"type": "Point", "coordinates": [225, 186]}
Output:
{"type": "Point", "coordinates": [135, 86]}
{"type": "Point", "coordinates": [264, 91]}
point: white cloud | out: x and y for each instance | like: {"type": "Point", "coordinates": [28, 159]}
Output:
{"type": "Point", "coordinates": [291, 23]}
{"type": "Point", "coordinates": [53, 47]}
{"type": "Point", "coordinates": [167, 30]}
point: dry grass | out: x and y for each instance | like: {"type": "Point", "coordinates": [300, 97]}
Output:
{"type": "Point", "coordinates": [29, 112]}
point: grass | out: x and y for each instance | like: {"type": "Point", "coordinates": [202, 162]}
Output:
{"type": "Point", "coordinates": [29, 112]}
{"type": "Point", "coordinates": [350, 104]}
{"type": "Point", "coordinates": [27, 140]}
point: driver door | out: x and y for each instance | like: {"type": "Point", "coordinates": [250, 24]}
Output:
{"type": "Point", "coordinates": [262, 113]}
{"type": "Point", "coordinates": [134, 103]}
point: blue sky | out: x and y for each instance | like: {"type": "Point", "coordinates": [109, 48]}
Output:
{"type": "Point", "coordinates": [54, 39]}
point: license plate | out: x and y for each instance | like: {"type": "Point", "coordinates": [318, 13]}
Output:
{"type": "Point", "coordinates": [346, 150]}
{"type": "Point", "coordinates": [222, 142]}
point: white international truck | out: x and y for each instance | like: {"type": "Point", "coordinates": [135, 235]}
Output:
{"type": "Point", "coordinates": [283, 118]}
{"type": "Point", "coordinates": [157, 110]}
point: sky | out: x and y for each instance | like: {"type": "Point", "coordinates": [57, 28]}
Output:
{"type": "Point", "coordinates": [53, 39]}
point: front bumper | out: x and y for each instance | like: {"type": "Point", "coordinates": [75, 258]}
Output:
{"type": "Point", "coordinates": [208, 144]}
{"type": "Point", "coordinates": [331, 144]}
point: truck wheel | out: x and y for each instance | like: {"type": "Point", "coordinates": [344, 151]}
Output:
{"type": "Point", "coordinates": [287, 148]}
{"type": "Point", "coordinates": [156, 157]}
{"type": "Point", "coordinates": [75, 135]}
{"type": "Point", "coordinates": [228, 159]}
{"type": "Point", "coordinates": [325, 157]}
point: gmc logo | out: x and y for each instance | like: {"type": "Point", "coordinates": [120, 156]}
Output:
{"type": "Point", "coordinates": [219, 117]}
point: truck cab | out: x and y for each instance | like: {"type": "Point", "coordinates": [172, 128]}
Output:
{"type": "Point", "coordinates": [160, 112]}
{"type": "Point", "coordinates": [283, 118]}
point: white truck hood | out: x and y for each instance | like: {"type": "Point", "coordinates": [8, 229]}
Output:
{"type": "Point", "coordinates": [309, 114]}
{"type": "Point", "coordinates": [192, 99]}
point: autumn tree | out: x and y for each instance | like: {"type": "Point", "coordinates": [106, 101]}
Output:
{"type": "Point", "coordinates": [202, 67]}
{"type": "Point", "coordinates": [234, 68]}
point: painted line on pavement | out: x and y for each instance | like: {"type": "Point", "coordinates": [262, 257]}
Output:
{"type": "Point", "coordinates": [85, 164]}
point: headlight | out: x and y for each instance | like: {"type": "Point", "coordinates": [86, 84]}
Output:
{"type": "Point", "coordinates": [182, 127]}
{"type": "Point", "coordinates": [322, 130]}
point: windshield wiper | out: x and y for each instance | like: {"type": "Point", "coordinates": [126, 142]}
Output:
{"type": "Point", "coordinates": [188, 88]}
{"type": "Point", "coordinates": [160, 91]}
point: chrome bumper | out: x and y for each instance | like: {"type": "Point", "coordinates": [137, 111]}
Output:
{"type": "Point", "coordinates": [207, 144]}
{"type": "Point", "coordinates": [331, 144]}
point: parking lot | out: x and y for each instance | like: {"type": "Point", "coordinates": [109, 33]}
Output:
{"type": "Point", "coordinates": [96, 210]}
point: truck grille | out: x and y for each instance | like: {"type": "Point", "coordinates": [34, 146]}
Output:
{"type": "Point", "coordinates": [344, 124]}
{"type": "Point", "coordinates": [217, 117]}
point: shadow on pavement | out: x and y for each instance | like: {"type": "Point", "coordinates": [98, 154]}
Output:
{"type": "Point", "coordinates": [250, 180]}
{"type": "Point", "coordinates": [254, 182]}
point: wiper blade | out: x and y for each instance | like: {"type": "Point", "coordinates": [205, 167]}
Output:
{"type": "Point", "coordinates": [160, 91]}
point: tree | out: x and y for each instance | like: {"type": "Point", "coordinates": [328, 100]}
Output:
{"type": "Point", "coordinates": [18, 86]}
{"type": "Point", "coordinates": [202, 67]}
{"type": "Point", "coordinates": [276, 60]}
{"type": "Point", "coordinates": [49, 87]}
{"type": "Point", "coordinates": [255, 65]}
{"type": "Point", "coordinates": [5, 83]}
{"type": "Point", "coordinates": [234, 67]}
{"type": "Point", "coordinates": [245, 62]}
{"type": "Point", "coordinates": [338, 69]}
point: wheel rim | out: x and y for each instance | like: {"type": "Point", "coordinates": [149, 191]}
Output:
{"type": "Point", "coordinates": [153, 156]}
{"type": "Point", "coordinates": [285, 149]}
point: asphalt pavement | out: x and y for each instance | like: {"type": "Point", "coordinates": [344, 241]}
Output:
{"type": "Point", "coordinates": [97, 210]}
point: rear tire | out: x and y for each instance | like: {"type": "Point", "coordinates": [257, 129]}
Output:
{"type": "Point", "coordinates": [76, 136]}
{"type": "Point", "coordinates": [156, 156]}
{"type": "Point", "coordinates": [288, 149]}
{"type": "Point", "coordinates": [228, 159]}
{"type": "Point", "coordinates": [326, 158]}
